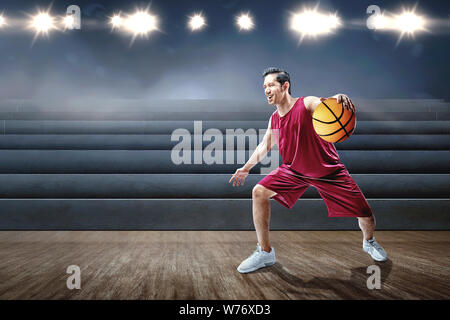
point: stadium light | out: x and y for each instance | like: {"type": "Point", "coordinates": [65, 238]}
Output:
{"type": "Point", "coordinates": [245, 22]}
{"type": "Point", "coordinates": [313, 23]}
{"type": "Point", "coordinates": [42, 23]}
{"type": "Point", "coordinates": [116, 21]}
{"type": "Point", "coordinates": [2, 21]}
{"type": "Point", "coordinates": [196, 22]}
{"type": "Point", "coordinates": [381, 22]}
{"type": "Point", "coordinates": [69, 22]}
{"type": "Point", "coordinates": [141, 23]}
{"type": "Point", "coordinates": [408, 22]}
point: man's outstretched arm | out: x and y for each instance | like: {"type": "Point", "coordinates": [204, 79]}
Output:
{"type": "Point", "coordinates": [260, 152]}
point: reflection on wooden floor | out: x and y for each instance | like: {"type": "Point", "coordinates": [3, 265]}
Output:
{"type": "Point", "coordinates": [202, 265]}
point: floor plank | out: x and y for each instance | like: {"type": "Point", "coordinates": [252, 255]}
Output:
{"type": "Point", "coordinates": [202, 265]}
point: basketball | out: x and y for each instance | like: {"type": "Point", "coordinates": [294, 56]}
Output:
{"type": "Point", "coordinates": [332, 122]}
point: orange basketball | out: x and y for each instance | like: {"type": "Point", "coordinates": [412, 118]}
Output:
{"type": "Point", "coordinates": [332, 122]}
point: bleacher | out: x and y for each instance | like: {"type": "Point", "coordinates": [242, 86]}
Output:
{"type": "Point", "coordinates": [107, 165]}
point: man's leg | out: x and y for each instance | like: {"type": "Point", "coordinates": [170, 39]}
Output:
{"type": "Point", "coordinates": [343, 198]}
{"type": "Point", "coordinates": [367, 226]}
{"type": "Point", "coordinates": [370, 245]}
{"type": "Point", "coordinates": [284, 188]}
{"type": "Point", "coordinates": [261, 215]}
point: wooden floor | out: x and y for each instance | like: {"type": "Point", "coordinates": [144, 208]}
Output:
{"type": "Point", "coordinates": [202, 265]}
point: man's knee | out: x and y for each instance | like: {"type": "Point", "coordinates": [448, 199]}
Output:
{"type": "Point", "coordinates": [367, 220]}
{"type": "Point", "coordinates": [260, 192]}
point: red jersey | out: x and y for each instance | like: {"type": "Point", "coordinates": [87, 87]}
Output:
{"type": "Point", "coordinates": [301, 149]}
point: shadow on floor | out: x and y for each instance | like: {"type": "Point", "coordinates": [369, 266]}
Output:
{"type": "Point", "coordinates": [353, 288]}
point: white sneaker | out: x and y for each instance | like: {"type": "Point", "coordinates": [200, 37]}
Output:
{"type": "Point", "coordinates": [258, 259]}
{"type": "Point", "coordinates": [375, 250]}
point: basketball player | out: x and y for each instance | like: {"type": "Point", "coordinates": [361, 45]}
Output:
{"type": "Point", "coordinates": [308, 160]}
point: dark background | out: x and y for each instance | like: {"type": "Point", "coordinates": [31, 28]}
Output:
{"type": "Point", "coordinates": [220, 62]}
{"type": "Point", "coordinates": [87, 115]}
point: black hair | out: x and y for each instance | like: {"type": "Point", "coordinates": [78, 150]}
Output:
{"type": "Point", "coordinates": [282, 76]}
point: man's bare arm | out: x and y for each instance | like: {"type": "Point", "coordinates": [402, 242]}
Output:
{"type": "Point", "coordinates": [260, 152]}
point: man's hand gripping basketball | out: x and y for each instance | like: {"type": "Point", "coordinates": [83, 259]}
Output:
{"type": "Point", "coordinates": [312, 102]}
{"type": "Point", "coordinates": [347, 103]}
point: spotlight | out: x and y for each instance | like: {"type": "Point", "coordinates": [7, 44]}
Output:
{"type": "Point", "coordinates": [408, 22]}
{"type": "Point", "coordinates": [196, 22]}
{"type": "Point", "coordinates": [116, 21]}
{"type": "Point", "coordinates": [2, 21]}
{"type": "Point", "coordinates": [381, 22]}
{"type": "Point", "coordinates": [141, 23]}
{"type": "Point", "coordinates": [42, 23]}
{"type": "Point", "coordinates": [69, 22]}
{"type": "Point", "coordinates": [312, 23]}
{"type": "Point", "coordinates": [245, 22]}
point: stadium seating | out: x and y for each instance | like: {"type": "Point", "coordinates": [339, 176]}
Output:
{"type": "Point", "coordinates": [109, 165]}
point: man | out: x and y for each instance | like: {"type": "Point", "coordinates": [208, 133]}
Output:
{"type": "Point", "coordinates": [308, 160]}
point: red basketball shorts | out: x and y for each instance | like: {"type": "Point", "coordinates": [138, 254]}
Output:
{"type": "Point", "coordinates": [341, 194]}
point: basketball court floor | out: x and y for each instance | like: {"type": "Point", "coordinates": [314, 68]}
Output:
{"type": "Point", "coordinates": [173, 265]}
